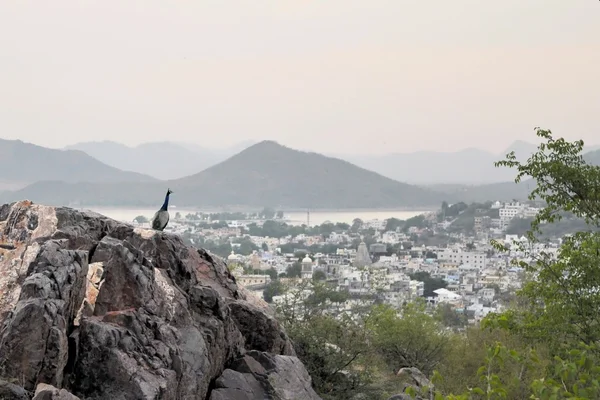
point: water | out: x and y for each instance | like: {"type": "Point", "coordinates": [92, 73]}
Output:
{"type": "Point", "coordinates": [292, 218]}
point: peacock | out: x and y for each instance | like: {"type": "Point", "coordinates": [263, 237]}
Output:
{"type": "Point", "coordinates": [161, 218]}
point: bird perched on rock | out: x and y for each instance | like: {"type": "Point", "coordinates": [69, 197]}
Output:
{"type": "Point", "coordinates": [161, 218]}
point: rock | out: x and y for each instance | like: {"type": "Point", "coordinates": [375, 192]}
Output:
{"type": "Point", "coordinates": [414, 378]}
{"type": "Point", "coordinates": [92, 308]}
{"type": "Point", "coordinates": [260, 375]}
{"type": "Point", "coordinates": [261, 331]}
{"type": "Point", "coordinates": [11, 391]}
{"type": "Point", "coordinates": [49, 392]}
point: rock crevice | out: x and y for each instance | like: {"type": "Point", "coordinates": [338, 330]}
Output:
{"type": "Point", "coordinates": [92, 308]}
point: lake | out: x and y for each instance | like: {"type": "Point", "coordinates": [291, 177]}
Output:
{"type": "Point", "coordinates": [293, 218]}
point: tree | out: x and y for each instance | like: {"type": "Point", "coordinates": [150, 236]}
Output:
{"type": "Point", "coordinates": [294, 270]}
{"type": "Point", "coordinates": [279, 215]}
{"type": "Point", "coordinates": [563, 296]}
{"type": "Point", "coordinates": [275, 288]}
{"type": "Point", "coordinates": [449, 317]}
{"type": "Point", "coordinates": [429, 284]}
{"type": "Point", "coordinates": [272, 272]}
{"type": "Point", "coordinates": [333, 344]}
{"type": "Point", "coordinates": [357, 224]}
{"type": "Point", "coordinates": [140, 219]}
{"type": "Point", "coordinates": [265, 246]}
{"type": "Point", "coordinates": [413, 340]}
{"type": "Point", "coordinates": [319, 275]}
{"type": "Point", "coordinates": [177, 215]}
{"type": "Point", "coordinates": [267, 213]}
{"type": "Point", "coordinates": [392, 224]}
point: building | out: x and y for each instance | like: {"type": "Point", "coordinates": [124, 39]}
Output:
{"type": "Point", "coordinates": [459, 257]}
{"type": "Point", "coordinates": [363, 258]}
{"type": "Point", "coordinates": [307, 268]}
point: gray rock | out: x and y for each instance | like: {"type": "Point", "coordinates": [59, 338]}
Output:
{"type": "Point", "coordinates": [11, 391]}
{"type": "Point", "coordinates": [160, 321]}
{"type": "Point", "coordinates": [260, 375]}
{"type": "Point", "coordinates": [261, 331]}
{"type": "Point", "coordinates": [413, 377]}
{"type": "Point", "coordinates": [49, 392]}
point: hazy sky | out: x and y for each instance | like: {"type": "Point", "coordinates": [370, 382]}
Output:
{"type": "Point", "coordinates": [343, 76]}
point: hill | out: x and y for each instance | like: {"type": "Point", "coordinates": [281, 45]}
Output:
{"type": "Point", "coordinates": [24, 163]}
{"type": "Point", "coordinates": [162, 160]}
{"type": "Point", "coordinates": [467, 167]}
{"type": "Point", "coordinates": [504, 191]}
{"type": "Point", "coordinates": [263, 174]}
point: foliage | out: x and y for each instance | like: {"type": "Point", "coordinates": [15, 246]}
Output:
{"type": "Point", "coordinates": [417, 221]}
{"type": "Point", "coordinates": [275, 288]}
{"type": "Point", "coordinates": [563, 296]}
{"type": "Point", "coordinates": [413, 339]}
{"type": "Point", "coordinates": [294, 270]}
{"type": "Point", "coordinates": [393, 224]}
{"type": "Point", "coordinates": [319, 275]}
{"type": "Point", "coordinates": [449, 317]}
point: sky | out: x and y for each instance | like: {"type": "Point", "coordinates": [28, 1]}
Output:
{"type": "Point", "coordinates": [333, 76]}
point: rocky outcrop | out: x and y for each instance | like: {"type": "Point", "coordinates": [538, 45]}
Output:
{"type": "Point", "coordinates": [92, 308]}
{"type": "Point", "coordinates": [416, 380]}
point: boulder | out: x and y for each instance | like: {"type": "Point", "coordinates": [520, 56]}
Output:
{"type": "Point", "coordinates": [415, 379]}
{"type": "Point", "coordinates": [261, 375]}
{"type": "Point", "coordinates": [93, 308]}
{"type": "Point", "coordinates": [49, 392]}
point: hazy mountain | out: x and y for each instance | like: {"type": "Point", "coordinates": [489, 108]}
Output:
{"type": "Point", "coordinates": [263, 174]}
{"type": "Point", "coordinates": [468, 167]}
{"type": "Point", "coordinates": [503, 191]}
{"type": "Point", "coordinates": [24, 163]}
{"type": "Point", "coordinates": [162, 160]}
{"type": "Point", "coordinates": [592, 157]}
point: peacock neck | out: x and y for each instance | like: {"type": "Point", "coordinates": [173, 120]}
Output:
{"type": "Point", "coordinates": [166, 203]}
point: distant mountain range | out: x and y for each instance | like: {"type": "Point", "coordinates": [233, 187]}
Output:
{"type": "Point", "coordinates": [24, 163]}
{"type": "Point", "coordinates": [162, 160]}
{"type": "Point", "coordinates": [469, 166]}
{"type": "Point", "coordinates": [265, 174]}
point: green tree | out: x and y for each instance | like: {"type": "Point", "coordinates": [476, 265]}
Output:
{"type": "Point", "coordinates": [564, 300]}
{"type": "Point", "coordinates": [429, 284]}
{"type": "Point", "coordinates": [294, 270]}
{"type": "Point", "coordinates": [267, 213]}
{"type": "Point", "coordinates": [319, 275]}
{"type": "Point", "coordinates": [275, 288]}
{"type": "Point", "coordinates": [392, 224]}
{"type": "Point", "coordinates": [415, 339]}
{"type": "Point", "coordinates": [272, 272]}
{"type": "Point", "coordinates": [265, 246]}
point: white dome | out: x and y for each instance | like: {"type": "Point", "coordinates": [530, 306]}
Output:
{"type": "Point", "coordinates": [232, 256]}
{"type": "Point", "coordinates": [307, 259]}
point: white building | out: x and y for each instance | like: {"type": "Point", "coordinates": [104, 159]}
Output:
{"type": "Point", "coordinates": [457, 256]}
{"type": "Point", "coordinates": [511, 210]}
